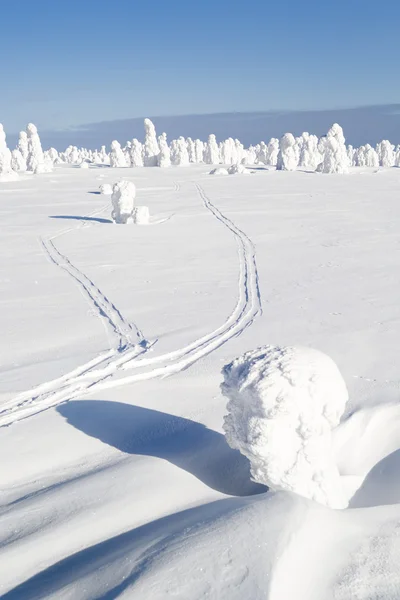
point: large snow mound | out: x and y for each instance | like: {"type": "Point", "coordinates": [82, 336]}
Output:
{"type": "Point", "coordinates": [282, 406]}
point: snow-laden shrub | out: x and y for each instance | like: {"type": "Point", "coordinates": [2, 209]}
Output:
{"type": "Point", "coordinates": [282, 406]}
{"type": "Point", "coordinates": [151, 149]}
{"type": "Point", "coordinates": [6, 171]}
{"type": "Point", "coordinates": [287, 157]}
{"type": "Point", "coordinates": [84, 165]}
{"type": "Point", "coordinates": [334, 152]}
{"type": "Point", "coordinates": [211, 151]}
{"type": "Point", "coordinates": [123, 202]}
{"type": "Point", "coordinates": [141, 215]}
{"type": "Point", "coordinates": [35, 161]}
{"type": "Point", "coordinates": [164, 157]}
{"type": "Point", "coordinates": [117, 156]}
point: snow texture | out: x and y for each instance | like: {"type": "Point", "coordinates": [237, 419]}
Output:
{"type": "Point", "coordinates": [282, 406]}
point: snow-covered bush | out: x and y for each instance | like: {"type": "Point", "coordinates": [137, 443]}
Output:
{"type": "Point", "coordinates": [106, 189]}
{"type": "Point", "coordinates": [287, 158]}
{"type": "Point", "coordinates": [151, 149]}
{"type": "Point", "coordinates": [117, 156]}
{"type": "Point", "coordinates": [6, 171]}
{"type": "Point", "coordinates": [282, 406]}
{"type": "Point", "coordinates": [123, 201]}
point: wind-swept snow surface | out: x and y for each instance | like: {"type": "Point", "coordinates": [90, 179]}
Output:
{"type": "Point", "coordinates": [119, 481]}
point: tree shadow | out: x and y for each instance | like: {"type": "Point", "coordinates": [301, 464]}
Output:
{"type": "Point", "coordinates": [77, 218]}
{"type": "Point", "coordinates": [187, 444]}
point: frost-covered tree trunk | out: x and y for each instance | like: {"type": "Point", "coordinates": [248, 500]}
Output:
{"type": "Point", "coordinates": [117, 157]}
{"type": "Point", "coordinates": [164, 157]}
{"type": "Point", "coordinates": [283, 404]}
{"type": "Point", "coordinates": [151, 149]}
{"type": "Point", "coordinates": [6, 171]}
{"type": "Point", "coordinates": [287, 157]}
{"type": "Point", "coordinates": [123, 202]}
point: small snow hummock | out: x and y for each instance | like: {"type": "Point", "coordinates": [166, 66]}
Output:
{"type": "Point", "coordinates": [106, 189]}
{"type": "Point", "coordinates": [141, 215]}
{"type": "Point", "coordinates": [123, 200]}
{"type": "Point", "coordinates": [282, 406]}
{"type": "Point", "coordinates": [238, 169]}
{"type": "Point", "coordinates": [219, 171]}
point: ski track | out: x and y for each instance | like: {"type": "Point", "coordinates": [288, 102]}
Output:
{"type": "Point", "coordinates": [95, 375]}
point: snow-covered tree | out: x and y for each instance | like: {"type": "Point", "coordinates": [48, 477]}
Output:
{"type": "Point", "coordinates": [117, 156]}
{"type": "Point", "coordinates": [164, 157]}
{"type": "Point", "coordinates": [334, 152]}
{"type": "Point", "coordinates": [6, 171]}
{"type": "Point", "coordinates": [287, 157]}
{"type": "Point", "coordinates": [179, 153]}
{"type": "Point", "coordinates": [262, 154]}
{"type": "Point", "coordinates": [18, 163]}
{"type": "Point", "coordinates": [385, 152]}
{"type": "Point", "coordinates": [199, 147]}
{"type": "Point", "coordinates": [123, 202]}
{"type": "Point", "coordinates": [273, 152]}
{"type": "Point", "coordinates": [211, 151]}
{"type": "Point", "coordinates": [151, 149]}
{"type": "Point", "coordinates": [141, 215]}
{"type": "Point", "coordinates": [310, 157]}
{"type": "Point", "coordinates": [106, 189]}
{"type": "Point", "coordinates": [191, 149]}
{"type": "Point", "coordinates": [282, 406]}
{"type": "Point", "coordinates": [23, 144]}
{"type": "Point", "coordinates": [35, 161]}
{"type": "Point", "coordinates": [136, 153]}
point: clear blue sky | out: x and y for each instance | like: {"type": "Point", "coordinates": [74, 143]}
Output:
{"type": "Point", "coordinates": [81, 61]}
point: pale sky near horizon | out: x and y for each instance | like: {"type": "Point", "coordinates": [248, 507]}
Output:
{"type": "Point", "coordinates": [64, 64]}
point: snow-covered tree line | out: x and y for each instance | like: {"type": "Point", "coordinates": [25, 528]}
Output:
{"type": "Point", "coordinates": [328, 154]}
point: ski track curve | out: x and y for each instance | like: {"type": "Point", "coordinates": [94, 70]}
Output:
{"type": "Point", "coordinates": [96, 374]}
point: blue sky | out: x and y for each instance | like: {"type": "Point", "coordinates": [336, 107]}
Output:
{"type": "Point", "coordinates": [82, 61]}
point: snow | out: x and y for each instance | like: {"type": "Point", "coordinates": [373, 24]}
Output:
{"type": "Point", "coordinates": [119, 481]}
